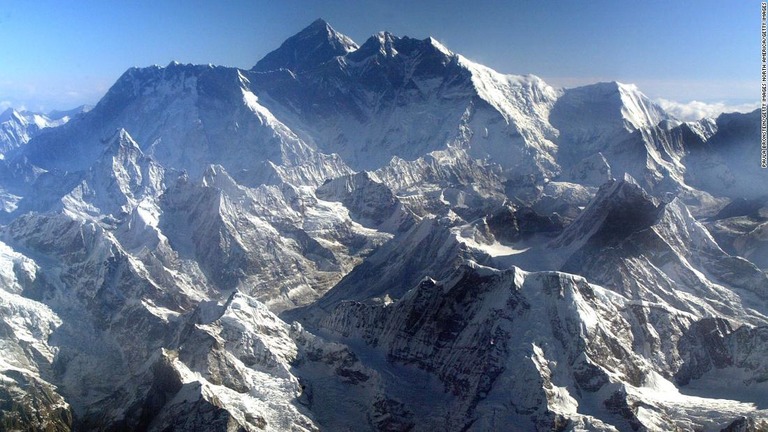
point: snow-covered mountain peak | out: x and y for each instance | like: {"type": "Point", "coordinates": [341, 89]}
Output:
{"type": "Point", "coordinates": [637, 109]}
{"type": "Point", "coordinates": [114, 185]}
{"type": "Point", "coordinates": [153, 81]}
{"type": "Point", "coordinates": [502, 90]}
{"type": "Point", "coordinates": [18, 127]}
{"type": "Point", "coordinates": [435, 43]}
{"type": "Point", "coordinates": [215, 176]}
{"type": "Point", "coordinates": [10, 114]}
{"type": "Point", "coordinates": [386, 42]}
{"type": "Point", "coordinates": [466, 249]}
{"type": "Point", "coordinates": [126, 165]}
{"type": "Point", "coordinates": [387, 45]}
{"type": "Point", "coordinates": [619, 208]}
{"type": "Point", "coordinates": [618, 121]}
{"type": "Point", "coordinates": [615, 104]}
{"type": "Point", "coordinates": [311, 47]}
{"type": "Point", "coordinates": [65, 115]}
{"type": "Point", "coordinates": [30, 119]}
{"type": "Point", "coordinates": [121, 142]}
{"type": "Point", "coordinates": [703, 129]}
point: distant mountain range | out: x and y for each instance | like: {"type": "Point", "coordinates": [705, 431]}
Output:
{"type": "Point", "coordinates": [17, 128]}
{"type": "Point", "coordinates": [383, 237]}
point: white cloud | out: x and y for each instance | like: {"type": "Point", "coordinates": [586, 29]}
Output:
{"type": "Point", "coordinates": [4, 105]}
{"type": "Point", "coordinates": [696, 110]}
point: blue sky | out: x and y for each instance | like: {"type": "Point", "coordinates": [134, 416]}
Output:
{"type": "Point", "coordinates": [57, 55]}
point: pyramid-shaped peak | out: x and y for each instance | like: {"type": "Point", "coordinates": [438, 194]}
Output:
{"type": "Point", "coordinates": [620, 208]}
{"type": "Point", "coordinates": [216, 176]}
{"type": "Point", "coordinates": [122, 136]}
{"type": "Point", "coordinates": [385, 36]}
{"type": "Point", "coordinates": [10, 114]}
{"type": "Point", "coordinates": [6, 115]}
{"type": "Point", "coordinates": [439, 46]}
{"type": "Point", "coordinates": [615, 103]}
{"type": "Point", "coordinates": [121, 142]}
{"type": "Point", "coordinates": [311, 47]}
{"type": "Point", "coordinates": [319, 24]}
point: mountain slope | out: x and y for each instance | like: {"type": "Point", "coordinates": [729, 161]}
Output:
{"type": "Point", "coordinates": [404, 97]}
{"type": "Point", "coordinates": [448, 248]}
{"type": "Point", "coordinates": [535, 350]}
{"type": "Point", "coordinates": [190, 117]}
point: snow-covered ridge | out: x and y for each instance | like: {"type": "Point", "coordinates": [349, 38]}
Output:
{"type": "Point", "coordinates": [314, 45]}
{"type": "Point", "coordinates": [17, 128]}
{"type": "Point", "coordinates": [464, 250]}
{"type": "Point", "coordinates": [531, 338]}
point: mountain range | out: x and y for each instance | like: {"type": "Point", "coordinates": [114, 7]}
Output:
{"type": "Point", "coordinates": [384, 237]}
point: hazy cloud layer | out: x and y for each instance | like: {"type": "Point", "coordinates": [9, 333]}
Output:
{"type": "Point", "coordinates": [696, 110]}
